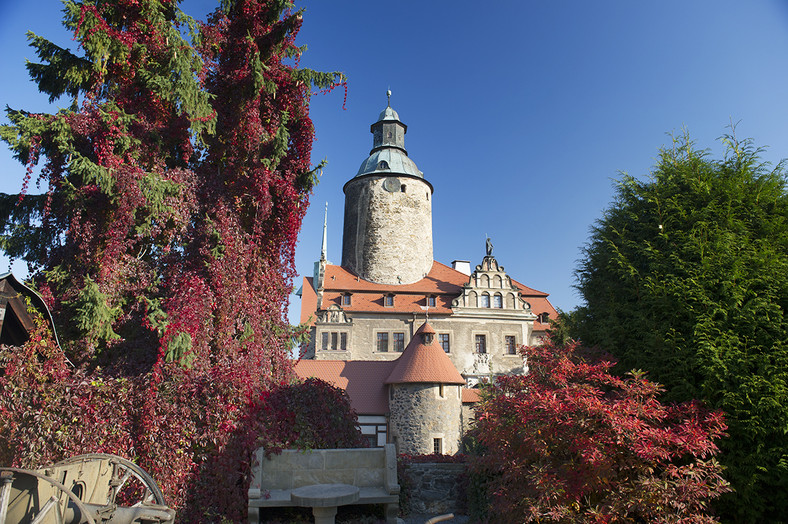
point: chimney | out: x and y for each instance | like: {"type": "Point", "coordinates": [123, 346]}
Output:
{"type": "Point", "coordinates": [463, 266]}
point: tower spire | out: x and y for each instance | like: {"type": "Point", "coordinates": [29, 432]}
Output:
{"type": "Point", "coordinates": [324, 247]}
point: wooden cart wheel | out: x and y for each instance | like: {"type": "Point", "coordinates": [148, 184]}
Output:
{"type": "Point", "coordinates": [49, 511]}
{"type": "Point", "coordinates": [124, 472]}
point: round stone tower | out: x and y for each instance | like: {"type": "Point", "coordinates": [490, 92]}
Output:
{"type": "Point", "coordinates": [425, 398]}
{"type": "Point", "coordinates": [387, 235]}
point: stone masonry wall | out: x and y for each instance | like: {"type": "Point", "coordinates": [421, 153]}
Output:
{"type": "Point", "coordinates": [434, 489]}
{"type": "Point", "coordinates": [419, 414]}
{"type": "Point", "coordinates": [387, 235]}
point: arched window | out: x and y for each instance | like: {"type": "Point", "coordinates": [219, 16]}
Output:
{"type": "Point", "coordinates": [485, 300]}
{"type": "Point", "coordinates": [497, 282]}
{"type": "Point", "coordinates": [485, 281]}
{"type": "Point", "coordinates": [473, 298]}
{"type": "Point", "coordinates": [497, 301]}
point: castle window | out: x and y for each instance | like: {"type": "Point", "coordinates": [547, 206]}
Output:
{"type": "Point", "coordinates": [544, 318]}
{"type": "Point", "coordinates": [497, 301]}
{"type": "Point", "coordinates": [383, 164]}
{"type": "Point", "coordinates": [510, 344]}
{"type": "Point", "coordinates": [346, 299]}
{"type": "Point", "coordinates": [441, 391]}
{"type": "Point", "coordinates": [333, 340]}
{"type": "Point", "coordinates": [431, 301]}
{"type": "Point", "coordinates": [485, 300]}
{"type": "Point", "coordinates": [388, 300]}
{"type": "Point", "coordinates": [437, 446]}
{"type": "Point", "coordinates": [383, 342]}
{"type": "Point", "coordinates": [481, 343]}
{"type": "Point", "coordinates": [402, 188]}
{"type": "Point", "coordinates": [399, 341]}
{"type": "Point", "coordinates": [443, 339]}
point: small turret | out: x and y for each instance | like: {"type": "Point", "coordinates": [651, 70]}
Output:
{"type": "Point", "coordinates": [425, 398]}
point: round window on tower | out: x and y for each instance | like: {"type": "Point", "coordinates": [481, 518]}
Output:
{"type": "Point", "coordinates": [383, 165]}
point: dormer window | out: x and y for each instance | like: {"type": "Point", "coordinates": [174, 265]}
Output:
{"type": "Point", "coordinates": [388, 300]}
{"type": "Point", "coordinates": [345, 299]}
{"type": "Point", "coordinates": [382, 165]}
{"type": "Point", "coordinates": [431, 301]}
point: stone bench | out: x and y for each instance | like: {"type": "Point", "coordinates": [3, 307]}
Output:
{"type": "Point", "coordinates": [372, 470]}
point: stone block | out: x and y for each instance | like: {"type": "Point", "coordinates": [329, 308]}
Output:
{"type": "Point", "coordinates": [368, 477]}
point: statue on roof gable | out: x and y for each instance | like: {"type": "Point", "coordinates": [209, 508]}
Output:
{"type": "Point", "coordinates": [489, 247]}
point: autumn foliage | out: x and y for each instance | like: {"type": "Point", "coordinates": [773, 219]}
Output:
{"type": "Point", "coordinates": [174, 184]}
{"type": "Point", "coordinates": [570, 442]}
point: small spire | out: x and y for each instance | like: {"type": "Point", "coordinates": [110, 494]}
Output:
{"type": "Point", "coordinates": [324, 247]}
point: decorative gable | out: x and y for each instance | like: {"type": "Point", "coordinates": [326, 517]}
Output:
{"type": "Point", "coordinates": [490, 288]}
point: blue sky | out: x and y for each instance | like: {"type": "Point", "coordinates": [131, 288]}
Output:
{"type": "Point", "coordinates": [521, 114]}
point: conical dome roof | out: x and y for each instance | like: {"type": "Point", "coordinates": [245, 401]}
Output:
{"type": "Point", "coordinates": [424, 362]}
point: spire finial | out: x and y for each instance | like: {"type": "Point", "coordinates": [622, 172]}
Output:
{"type": "Point", "coordinates": [324, 247]}
{"type": "Point", "coordinates": [388, 95]}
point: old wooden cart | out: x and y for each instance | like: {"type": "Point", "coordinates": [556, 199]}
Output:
{"type": "Point", "coordinates": [88, 489]}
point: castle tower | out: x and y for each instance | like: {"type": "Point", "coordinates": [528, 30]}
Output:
{"type": "Point", "coordinates": [387, 237]}
{"type": "Point", "coordinates": [425, 398]}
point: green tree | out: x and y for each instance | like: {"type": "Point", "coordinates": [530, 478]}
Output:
{"type": "Point", "coordinates": [686, 276]}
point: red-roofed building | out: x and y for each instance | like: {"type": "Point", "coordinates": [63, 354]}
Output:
{"type": "Point", "coordinates": [367, 309]}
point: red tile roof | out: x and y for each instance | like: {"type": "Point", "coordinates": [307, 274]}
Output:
{"type": "Point", "coordinates": [442, 281]}
{"type": "Point", "coordinates": [422, 362]}
{"type": "Point", "coordinates": [470, 395]}
{"type": "Point", "coordinates": [364, 381]}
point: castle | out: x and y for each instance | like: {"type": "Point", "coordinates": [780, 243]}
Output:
{"type": "Point", "coordinates": [406, 336]}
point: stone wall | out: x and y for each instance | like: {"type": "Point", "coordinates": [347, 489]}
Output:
{"type": "Point", "coordinates": [434, 489]}
{"type": "Point", "coordinates": [419, 414]}
{"type": "Point", "coordinates": [387, 235]}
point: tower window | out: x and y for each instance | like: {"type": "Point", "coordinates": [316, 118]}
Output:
{"type": "Point", "coordinates": [383, 164]}
{"type": "Point", "coordinates": [511, 345]}
{"type": "Point", "coordinates": [383, 342]}
{"type": "Point", "coordinates": [437, 446]}
{"type": "Point", "coordinates": [402, 188]}
{"type": "Point", "coordinates": [481, 343]}
{"type": "Point", "coordinates": [443, 339]}
{"type": "Point", "coordinates": [399, 341]}
{"type": "Point", "coordinates": [441, 391]}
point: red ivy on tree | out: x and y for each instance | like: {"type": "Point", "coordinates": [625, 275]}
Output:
{"type": "Point", "coordinates": [570, 442]}
{"type": "Point", "coordinates": [176, 184]}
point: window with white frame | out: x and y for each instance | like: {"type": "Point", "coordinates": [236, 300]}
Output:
{"type": "Point", "coordinates": [480, 342]}
{"type": "Point", "coordinates": [398, 340]}
{"type": "Point", "coordinates": [497, 301]}
{"type": "Point", "coordinates": [388, 300]}
{"type": "Point", "coordinates": [437, 446]}
{"type": "Point", "coordinates": [485, 300]}
{"type": "Point", "coordinates": [333, 341]}
{"type": "Point", "coordinates": [382, 342]}
{"type": "Point", "coordinates": [443, 340]}
{"type": "Point", "coordinates": [510, 344]}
